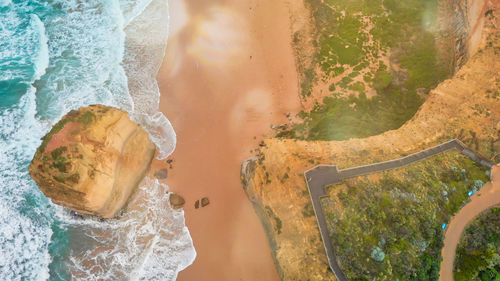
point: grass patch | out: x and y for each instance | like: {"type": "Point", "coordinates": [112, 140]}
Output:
{"type": "Point", "coordinates": [358, 87]}
{"type": "Point", "coordinates": [382, 80]}
{"type": "Point", "coordinates": [86, 118]}
{"type": "Point", "coordinates": [344, 29]}
{"type": "Point", "coordinates": [340, 118]}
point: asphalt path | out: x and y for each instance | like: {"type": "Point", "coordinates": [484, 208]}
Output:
{"type": "Point", "coordinates": [321, 176]}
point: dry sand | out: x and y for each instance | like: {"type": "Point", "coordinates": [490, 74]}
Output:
{"type": "Point", "coordinates": [228, 74]}
{"type": "Point", "coordinates": [486, 198]}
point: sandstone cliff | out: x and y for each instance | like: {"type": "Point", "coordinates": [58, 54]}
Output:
{"type": "Point", "coordinates": [92, 160]}
{"type": "Point", "coordinates": [467, 25]}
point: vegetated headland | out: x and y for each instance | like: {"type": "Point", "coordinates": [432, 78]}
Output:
{"type": "Point", "coordinates": [464, 106]}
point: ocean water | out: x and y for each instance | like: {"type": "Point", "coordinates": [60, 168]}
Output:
{"type": "Point", "coordinates": [56, 56]}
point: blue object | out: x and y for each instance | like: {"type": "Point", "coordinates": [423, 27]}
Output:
{"type": "Point", "coordinates": [443, 226]}
{"type": "Point", "coordinates": [471, 192]}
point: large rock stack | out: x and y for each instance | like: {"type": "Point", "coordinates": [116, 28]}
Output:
{"type": "Point", "coordinates": [92, 160]}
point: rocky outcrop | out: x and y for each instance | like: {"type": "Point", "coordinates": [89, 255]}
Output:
{"type": "Point", "coordinates": [92, 160]}
{"type": "Point", "coordinates": [246, 174]}
{"type": "Point", "coordinates": [467, 28]}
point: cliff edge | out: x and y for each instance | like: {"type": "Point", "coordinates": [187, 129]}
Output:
{"type": "Point", "coordinates": [92, 160]}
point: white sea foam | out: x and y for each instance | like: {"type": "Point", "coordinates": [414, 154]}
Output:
{"type": "Point", "coordinates": [23, 251]}
{"type": "Point", "coordinates": [160, 131]}
{"type": "Point", "coordinates": [86, 47]}
{"type": "Point", "coordinates": [132, 8]}
{"type": "Point", "coordinates": [145, 43]}
{"type": "Point", "coordinates": [24, 231]}
{"type": "Point", "coordinates": [22, 39]}
{"type": "Point", "coordinates": [148, 242]}
{"type": "Point", "coordinates": [42, 56]}
{"type": "Point", "coordinates": [4, 3]}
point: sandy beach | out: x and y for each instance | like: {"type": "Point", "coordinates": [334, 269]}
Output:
{"type": "Point", "coordinates": [228, 74]}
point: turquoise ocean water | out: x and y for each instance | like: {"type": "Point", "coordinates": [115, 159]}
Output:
{"type": "Point", "coordinates": [58, 55]}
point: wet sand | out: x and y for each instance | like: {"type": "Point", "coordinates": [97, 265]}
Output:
{"type": "Point", "coordinates": [228, 74]}
{"type": "Point", "coordinates": [486, 198]}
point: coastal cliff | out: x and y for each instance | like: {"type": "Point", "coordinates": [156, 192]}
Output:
{"type": "Point", "coordinates": [467, 27]}
{"type": "Point", "coordinates": [274, 180]}
{"type": "Point", "coordinates": [92, 160]}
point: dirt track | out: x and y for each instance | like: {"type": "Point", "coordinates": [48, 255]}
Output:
{"type": "Point", "coordinates": [486, 198]}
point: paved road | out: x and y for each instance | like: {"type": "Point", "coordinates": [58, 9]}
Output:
{"type": "Point", "coordinates": [321, 176]}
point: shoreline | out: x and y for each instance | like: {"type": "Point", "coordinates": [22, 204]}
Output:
{"type": "Point", "coordinates": [227, 75]}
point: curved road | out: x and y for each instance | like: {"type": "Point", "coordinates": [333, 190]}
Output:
{"type": "Point", "coordinates": [486, 198]}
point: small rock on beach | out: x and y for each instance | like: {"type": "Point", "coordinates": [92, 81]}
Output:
{"type": "Point", "coordinates": [161, 174]}
{"type": "Point", "coordinates": [176, 201]}
{"type": "Point", "coordinates": [204, 201]}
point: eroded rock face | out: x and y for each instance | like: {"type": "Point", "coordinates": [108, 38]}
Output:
{"type": "Point", "coordinates": [92, 160]}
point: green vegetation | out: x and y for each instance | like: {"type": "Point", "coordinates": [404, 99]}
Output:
{"type": "Point", "coordinates": [341, 118]}
{"type": "Point", "coordinates": [478, 253]}
{"type": "Point", "coordinates": [388, 226]}
{"type": "Point", "coordinates": [277, 221]}
{"type": "Point", "coordinates": [86, 118]}
{"type": "Point", "coordinates": [56, 153]}
{"type": "Point", "coordinates": [57, 127]}
{"type": "Point", "coordinates": [58, 160]}
{"type": "Point", "coordinates": [308, 210]}
{"type": "Point", "coordinates": [353, 38]}
{"type": "Point", "coordinates": [358, 87]}
{"type": "Point", "coordinates": [382, 80]}
{"type": "Point", "coordinates": [268, 180]}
